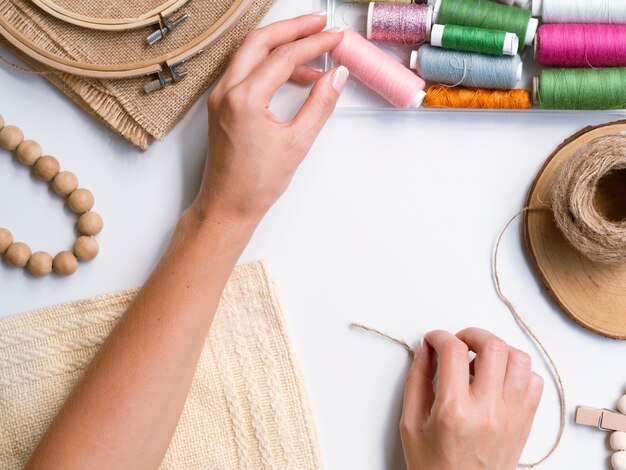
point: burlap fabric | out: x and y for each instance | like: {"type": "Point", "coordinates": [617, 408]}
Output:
{"type": "Point", "coordinates": [247, 409]}
{"type": "Point", "coordinates": [122, 104]}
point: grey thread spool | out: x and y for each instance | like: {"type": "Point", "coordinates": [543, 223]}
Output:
{"type": "Point", "coordinates": [588, 203]}
{"type": "Point", "coordinates": [469, 69]}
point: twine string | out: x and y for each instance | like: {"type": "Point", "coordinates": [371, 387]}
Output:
{"type": "Point", "coordinates": [401, 342]}
{"type": "Point", "coordinates": [13, 65]}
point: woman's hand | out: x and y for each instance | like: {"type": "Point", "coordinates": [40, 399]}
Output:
{"type": "Point", "coordinates": [252, 154]}
{"type": "Point", "coordinates": [448, 423]}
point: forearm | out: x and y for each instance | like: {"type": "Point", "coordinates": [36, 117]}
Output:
{"type": "Point", "coordinates": [124, 411]}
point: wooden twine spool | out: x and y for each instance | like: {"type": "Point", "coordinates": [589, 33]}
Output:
{"type": "Point", "coordinates": [575, 227]}
{"type": "Point", "coordinates": [65, 184]}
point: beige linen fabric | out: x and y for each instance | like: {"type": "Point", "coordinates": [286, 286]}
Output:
{"type": "Point", "coordinates": [247, 408]}
{"type": "Point", "coordinates": [122, 104]}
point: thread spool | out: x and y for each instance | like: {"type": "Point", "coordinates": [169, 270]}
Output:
{"type": "Point", "coordinates": [468, 39]}
{"type": "Point", "coordinates": [588, 203]}
{"type": "Point", "coordinates": [581, 89]}
{"type": "Point", "coordinates": [580, 11]}
{"type": "Point", "coordinates": [404, 23]}
{"type": "Point", "coordinates": [581, 45]}
{"type": "Point", "coordinates": [488, 15]}
{"type": "Point", "coordinates": [443, 97]}
{"type": "Point", "coordinates": [467, 68]}
{"type": "Point", "coordinates": [378, 71]}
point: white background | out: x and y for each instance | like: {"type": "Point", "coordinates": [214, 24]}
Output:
{"type": "Point", "coordinates": [390, 222]}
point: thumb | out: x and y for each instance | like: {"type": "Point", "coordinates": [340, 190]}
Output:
{"type": "Point", "coordinates": [320, 104]}
{"type": "Point", "coordinates": [418, 393]}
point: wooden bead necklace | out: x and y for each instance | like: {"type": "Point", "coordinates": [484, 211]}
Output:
{"type": "Point", "coordinates": [65, 184]}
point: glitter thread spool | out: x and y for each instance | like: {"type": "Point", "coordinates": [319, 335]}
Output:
{"type": "Point", "coordinates": [443, 97]}
{"type": "Point", "coordinates": [581, 45]}
{"type": "Point", "coordinates": [488, 15]}
{"type": "Point", "coordinates": [580, 11]}
{"type": "Point", "coordinates": [408, 24]}
{"type": "Point", "coordinates": [467, 68]}
{"type": "Point", "coordinates": [468, 39]}
{"type": "Point", "coordinates": [378, 71]}
{"type": "Point", "coordinates": [581, 89]}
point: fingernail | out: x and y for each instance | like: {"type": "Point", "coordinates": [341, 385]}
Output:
{"type": "Point", "coordinates": [319, 13]}
{"type": "Point", "coordinates": [418, 349]}
{"type": "Point", "coordinates": [339, 78]}
{"type": "Point", "coordinates": [336, 30]}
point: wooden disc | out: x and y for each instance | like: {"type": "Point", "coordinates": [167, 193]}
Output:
{"type": "Point", "coordinates": [593, 294]}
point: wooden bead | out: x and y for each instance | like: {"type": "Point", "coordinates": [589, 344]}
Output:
{"type": "Point", "coordinates": [621, 405]}
{"type": "Point", "coordinates": [65, 183]}
{"type": "Point", "coordinates": [46, 168]}
{"type": "Point", "coordinates": [17, 255]}
{"type": "Point", "coordinates": [6, 239]}
{"type": "Point", "coordinates": [90, 223]}
{"type": "Point", "coordinates": [40, 264]}
{"type": "Point", "coordinates": [11, 137]}
{"type": "Point", "coordinates": [618, 440]}
{"type": "Point", "coordinates": [65, 263]}
{"type": "Point", "coordinates": [619, 460]}
{"type": "Point", "coordinates": [80, 201]}
{"type": "Point", "coordinates": [28, 152]}
{"type": "Point", "coordinates": [86, 248]}
{"type": "Point", "coordinates": [1, 122]}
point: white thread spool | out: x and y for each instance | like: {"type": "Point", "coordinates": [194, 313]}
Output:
{"type": "Point", "coordinates": [580, 11]}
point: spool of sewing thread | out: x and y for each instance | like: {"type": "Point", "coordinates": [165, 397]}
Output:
{"type": "Point", "coordinates": [378, 71]}
{"type": "Point", "coordinates": [488, 15]}
{"type": "Point", "coordinates": [467, 68]}
{"type": "Point", "coordinates": [444, 97]}
{"type": "Point", "coordinates": [404, 23]}
{"type": "Point", "coordinates": [581, 88]}
{"type": "Point", "coordinates": [581, 45]}
{"type": "Point", "coordinates": [580, 11]}
{"type": "Point", "coordinates": [465, 38]}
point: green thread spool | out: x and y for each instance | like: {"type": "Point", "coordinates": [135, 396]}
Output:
{"type": "Point", "coordinates": [486, 14]}
{"type": "Point", "coordinates": [468, 39]}
{"type": "Point", "coordinates": [582, 89]}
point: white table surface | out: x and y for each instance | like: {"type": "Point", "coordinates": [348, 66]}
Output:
{"type": "Point", "coordinates": [390, 222]}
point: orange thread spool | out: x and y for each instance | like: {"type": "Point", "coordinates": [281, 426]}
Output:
{"type": "Point", "coordinates": [473, 98]}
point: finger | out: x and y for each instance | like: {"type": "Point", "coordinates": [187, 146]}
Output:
{"type": "Point", "coordinates": [490, 361]}
{"type": "Point", "coordinates": [318, 107]}
{"type": "Point", "coordinates": [518, 369]}
{"type": "Point", "coordinates": [260, 42]}
{"type": "Point", "coordinates": [452, 363]}
{"type": "Point", "coordinates": [534, 391]}
{"type": "Point", "coordinates": [306, 75]}
{"type": "Point", "coordinates": [282, 62]}
{"type": "Point", "coordinates": [418, 391]}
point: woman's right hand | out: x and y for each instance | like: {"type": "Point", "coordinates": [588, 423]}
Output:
{"type": "Point", "coordinates": [252, 154]}
{"type": "Point", "coordinates": [449, 423]}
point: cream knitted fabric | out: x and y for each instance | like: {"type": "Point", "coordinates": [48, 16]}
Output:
{"type": "Point", "coordinates": [247, 408]}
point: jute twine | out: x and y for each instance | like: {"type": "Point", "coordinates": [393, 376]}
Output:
{"type": "Point", "coordinates": [574, 195]}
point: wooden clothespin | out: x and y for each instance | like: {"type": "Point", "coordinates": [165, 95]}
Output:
{"type": "Point", "coordinates": [605, 420]}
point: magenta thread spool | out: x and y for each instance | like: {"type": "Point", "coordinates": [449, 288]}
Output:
{"type": "Point", "coordinates": [405, 23]}
{"type": "Point", "coordinates": [581, 45]}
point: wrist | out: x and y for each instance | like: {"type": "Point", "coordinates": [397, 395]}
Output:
{"type": "Point", "coordinates": [205, 222]}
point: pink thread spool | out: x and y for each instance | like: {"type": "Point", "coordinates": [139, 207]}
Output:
{"type": "Point", "coordinates": [406, 23]}
{"type": "Point", "coordinates": [581, 45]}
{"type": "Point", "coordinates": [376, 70]}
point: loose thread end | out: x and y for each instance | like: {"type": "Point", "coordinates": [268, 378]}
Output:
{"type": "Point", "coordinates": [400, 342]}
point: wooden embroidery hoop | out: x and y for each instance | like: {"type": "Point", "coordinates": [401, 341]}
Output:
{"type": "Point", "coordinates": [157, 65]}
{"type": "Point", "coordinates": [152, 16]}
{"type": "Point", "coordinates": [593, 294]}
